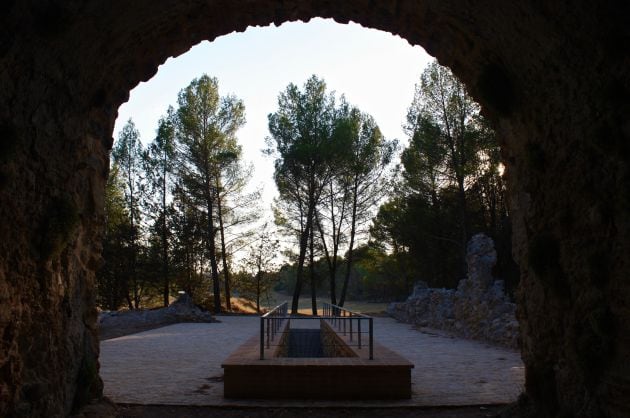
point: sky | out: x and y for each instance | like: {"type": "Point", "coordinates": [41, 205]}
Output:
{"type": "Point", "coordinates": [376, 71]}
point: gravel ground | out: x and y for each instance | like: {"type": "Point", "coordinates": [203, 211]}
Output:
{"type": "Point", "coordinates": [478, 362]}
{"type": "Point", "coordinates": [181, 365]}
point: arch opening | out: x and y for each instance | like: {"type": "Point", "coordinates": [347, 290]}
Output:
{"type": "Point", "coordinates": [66, 71]}
{"type": "Point", "coordinates": [236, 85]}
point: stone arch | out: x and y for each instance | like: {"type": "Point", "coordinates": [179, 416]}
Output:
{"type": "Point", "coordinates": [553, 78]}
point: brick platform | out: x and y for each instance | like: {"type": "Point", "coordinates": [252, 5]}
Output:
{"type": "Point", "coordinates": [387, 376]}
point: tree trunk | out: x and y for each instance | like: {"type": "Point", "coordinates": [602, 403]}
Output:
{"type": "Point", "coordinates": [226, 270]}
{"type": "Point", "coordinates": [215, 273]}
{"type": "Point", "coordinates": [493, 210]}
{"type": "Point", "coordinates": [132, 219]}
{"type": "Point", "coordinates": [463, 219]}
{"type": "Point", "coordinates": [212, 253]}
{"type": "Point", "coordinates": [300, 270]}
{"type": "Point", "coordinates": [136, 295]}
{"type": "Point", "coordinates": [132, 269]}
{"type": "Point", "coordinates": [332, 264]}
{"type": "Point", "coordinates": [353, 225]}
{"type": "Point", "coordinates": [312, 274]}
{"type": "Point", "coordinates": [258, 274]}
{"type": "Point", "coordinates": [165, 265]}
{"type": "Point", "coordinates": [128, 297]}
{"type": "Point", "coordinates": [166, 289]}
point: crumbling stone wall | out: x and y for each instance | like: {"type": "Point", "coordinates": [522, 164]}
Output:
{"type": "Point", "coordinates": [112, 324]}
{"type": "Point", "coordinates": [477, 309]}
{"type": "Point", "coordinates": [554, 77]}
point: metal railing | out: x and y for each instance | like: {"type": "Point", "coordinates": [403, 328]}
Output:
{"type": "Point", "coordinates": [343, 319]}
{"type": "Point", "coordinates": [346, 322]}
{"type": "Point", "coordinates": [273, 321]}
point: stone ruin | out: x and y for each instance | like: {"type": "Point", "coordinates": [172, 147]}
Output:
{"type": "Point", "coordinates": [553, 78]}
{"type": "Point", "coordinates": [478, 309]}
{"type": "Point", "coordinates": [116, 323]}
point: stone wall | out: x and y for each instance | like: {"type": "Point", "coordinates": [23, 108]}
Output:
{"type": "Point", "coordinates": [477, 309]}
{"type": "Point", "coordinates": [332, 344]}
{"type": "Point", "coordinates": [112, 324]}
{"type": "Point", "coordinates": [282, 348]}
{"type": "Point", "coordinates": [553, 77]}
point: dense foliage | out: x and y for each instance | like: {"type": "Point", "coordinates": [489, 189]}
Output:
{"type": "Point", "coordinates": [328, 169]}
{"type": "Point", "coordinates": [450, 187]}
{"type": "Point", "coordinates": [361, 219]}
{"type": "Point", "coordinates": [172, 209]}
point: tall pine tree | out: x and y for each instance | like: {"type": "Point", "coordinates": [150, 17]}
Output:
{"type": "Point", "coordinates": [127, 155]}
{"type": "Point", "coordinates": [206, 135]}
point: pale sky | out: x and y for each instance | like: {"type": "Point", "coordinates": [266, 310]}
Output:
{"type": "Point", "coordinates": [376, 71]}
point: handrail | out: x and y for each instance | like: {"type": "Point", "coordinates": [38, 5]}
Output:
{"type": "Point", "coordinates": [342, 317]}
{"type": "Point", "coordinates": [282, 308]}
{"type": "Point", "coordinates": [330, 307]}
{"type": "Point", "coordinates": [337, 316]}
{"type": "Point", "coordinates": [274, 319]}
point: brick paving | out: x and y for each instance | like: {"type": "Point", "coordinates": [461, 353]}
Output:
{"type": "Point", "coordinates": [181, 365]}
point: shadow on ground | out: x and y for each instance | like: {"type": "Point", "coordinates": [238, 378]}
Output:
{"type": "Point", "coordinates": [150, 411]}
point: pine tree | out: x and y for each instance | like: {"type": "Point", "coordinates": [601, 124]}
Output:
{"type": "Point", "coordinates": [127, 155]}
{"type": "Point", "coordinates": [302, 141]}
{"type": "Point", "coordinates": [206, 134]}
{"type": "Point", "coordinates": [159, 167]}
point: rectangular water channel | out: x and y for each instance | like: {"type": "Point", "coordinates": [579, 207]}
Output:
{"type": "Point", "coordinates": [311, 338]}
{"type": "Point", "coordinates": [305, 343]}
{"type": "Point", "coordinates": [327, 357]}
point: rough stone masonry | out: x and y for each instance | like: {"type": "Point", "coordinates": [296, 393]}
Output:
{"type": "Point", "coordinates": [553, 77]}
{"type": "Point", "coordinates": [477, 309]}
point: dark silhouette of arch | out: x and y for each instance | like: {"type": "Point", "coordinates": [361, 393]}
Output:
{"type": "Point", "coordinates": [553, 77]}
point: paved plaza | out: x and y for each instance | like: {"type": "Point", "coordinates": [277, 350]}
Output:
{"type": "Point", "coordinates": [181, 365]}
